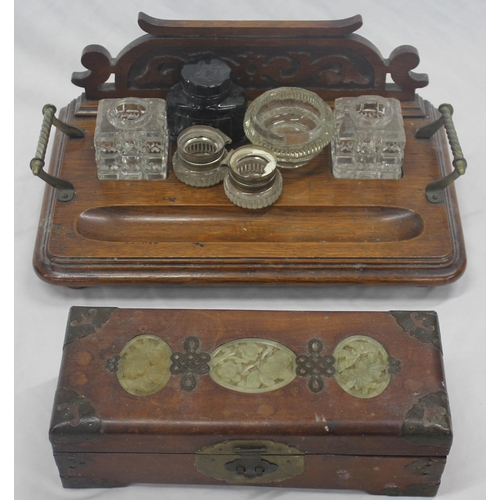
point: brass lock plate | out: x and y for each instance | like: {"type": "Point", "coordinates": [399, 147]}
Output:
{"type": "Point", "coordinates": [251, 462]}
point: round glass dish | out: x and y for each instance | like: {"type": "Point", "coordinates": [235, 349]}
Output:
{"type": "Point", "coordinates": [294, 123]}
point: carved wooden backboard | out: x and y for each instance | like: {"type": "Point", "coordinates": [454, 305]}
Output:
{"type": "Point", "coordinates": [326, 57]}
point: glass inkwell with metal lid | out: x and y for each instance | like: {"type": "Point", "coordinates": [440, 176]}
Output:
{"type": "Point", "coordinates": [253, 180]}
{"type": "Point", "coordinates": [199, 156]}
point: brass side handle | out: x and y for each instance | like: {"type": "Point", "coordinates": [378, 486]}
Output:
{"type": "Point", "coordinates": [435, 190]}
{"type": "Point", "coordinates": [65, 189]}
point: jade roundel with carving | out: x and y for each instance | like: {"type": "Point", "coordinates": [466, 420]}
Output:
{"type": "Point", "coordinates": [144, 366]}
{"type": "Point", "coordinates": [362, 366]}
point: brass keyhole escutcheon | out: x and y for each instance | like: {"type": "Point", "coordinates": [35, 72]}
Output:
{"type": "Point", "coordinates": [247, 461]}
{"type": "Point", "coordinates": [251, 466]}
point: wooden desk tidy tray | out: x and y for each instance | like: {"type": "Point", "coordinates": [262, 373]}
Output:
{"type": "Point", "coordinates": [322, 230]}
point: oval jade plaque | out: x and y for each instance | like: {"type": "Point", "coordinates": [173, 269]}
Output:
{"type": "Point", "coordinates": [252, 365]}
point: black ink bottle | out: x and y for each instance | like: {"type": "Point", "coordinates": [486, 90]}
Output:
{"type": "Point", "coordinates": [206, 95]}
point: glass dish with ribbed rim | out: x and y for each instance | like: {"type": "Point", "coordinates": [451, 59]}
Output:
{"type": "Point", "coordinates": [294, 123]}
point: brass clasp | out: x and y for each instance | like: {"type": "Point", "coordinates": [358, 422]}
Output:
{"type": "Point", "coordinates": [249, 461]}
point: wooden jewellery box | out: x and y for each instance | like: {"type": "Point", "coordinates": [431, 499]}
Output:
{"type": "Point", "coordinates": [218, 397]}
{"type": "Point", "coordinates": [322, 230]}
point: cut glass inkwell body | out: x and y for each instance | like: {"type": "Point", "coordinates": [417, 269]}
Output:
{"type": "Point", "coordinates": [131, 140]}
{"type": "Point", "coordinates": [369, 138]}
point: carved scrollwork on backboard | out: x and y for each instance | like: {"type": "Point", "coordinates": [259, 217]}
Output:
{"type": "Point", "coordinates": [159, 71]}
{"type": "Point", "coordinates": [328, 60]}
{"type": "Point", "coordinates": [261, 70]}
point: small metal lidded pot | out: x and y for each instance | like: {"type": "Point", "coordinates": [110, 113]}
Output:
{"type": "Point", "coordinates": [199, 156]}
{"type": "Point", "coordinates": [253, 180]}
{"type": "Point", "coordinates": [206, 95]}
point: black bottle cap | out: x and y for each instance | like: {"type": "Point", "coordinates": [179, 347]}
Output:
{"type": "Point", "coordinates": [206, 78]}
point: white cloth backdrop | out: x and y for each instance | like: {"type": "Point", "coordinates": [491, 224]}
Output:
{"type": "Point", "coordinates": [49, 38]}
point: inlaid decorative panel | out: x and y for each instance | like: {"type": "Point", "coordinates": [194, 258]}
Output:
{"type": "Point", "coordinates": [363, 369]}
{"type": "Point", "coordinates": [360, 364]}
{"type": "Point", "coordinates": [144, 366]}
{"type": "Point", "coordinates": [252, 365]}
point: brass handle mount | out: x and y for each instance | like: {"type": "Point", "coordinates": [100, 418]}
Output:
{"type": "Point", "coordinates": [435, 190]}
{"type": "Point", "coordinates": [65, 190]}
